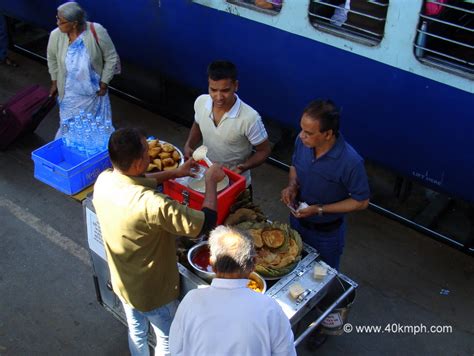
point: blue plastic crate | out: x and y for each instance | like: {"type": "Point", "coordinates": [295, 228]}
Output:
{"type": "Point", "coordinates": [66, 170]}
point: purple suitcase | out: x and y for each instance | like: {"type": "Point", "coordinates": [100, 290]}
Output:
{"type": "Point", "coordinates": [23, 113]}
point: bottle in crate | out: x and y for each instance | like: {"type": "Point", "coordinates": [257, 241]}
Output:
{"type": "Point", "coordinates": [72, 133]}
{"type": "Point", "coordinates": [66, 134]}
{"type": "Point", "coordinates": [79, 134]}
{"type": "Point", "coordinates": [89, 144]}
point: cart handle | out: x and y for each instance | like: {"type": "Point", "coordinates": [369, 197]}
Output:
{"type": "Point", "coordinates": [318, 321]}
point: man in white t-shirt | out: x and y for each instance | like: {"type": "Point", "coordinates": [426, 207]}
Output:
{"type": "Point", "coordinates": [226, 125]}
{"type": "Point", "coordinates": [228, 318]}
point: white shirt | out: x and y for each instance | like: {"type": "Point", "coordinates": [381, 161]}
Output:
{"type": "Point", "coordinates": [230, 142]}
{"type": "Point", "coordinates": [230, 319]}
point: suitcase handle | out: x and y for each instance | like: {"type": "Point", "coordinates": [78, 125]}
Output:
{"type": "Point", "coordinates": [48, 167]}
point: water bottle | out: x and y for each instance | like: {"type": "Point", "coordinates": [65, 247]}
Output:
{"type": "Point", "coordinates": [89, 119]}
{"type": "Point", "coordinates": [108, 128]}
{"type": "Point", "coordinates": [421, 40]}
{"type": "Point", "coordinates": [72, 133]}
{"type": "Point", "coordinates": [98, 120]}
{"type": "Point", "coordinates": [65, 134]}
{"type": "Point", "coordinates": [79, 137]}
{"type": "Point", "coordinates": [93, 126]}
{"type": "Point", "coordinates": [94, 131]}
{"type": "Point", "coordinates": [88, 143]}
{"type": "Point", "coordinates": [102, 140]}
{"type": "Point", "coordinates": [77, 120]}
{"type": "Point", "coordinates": [82, 114]}
{"type": "Point", "coordinates": [108, 125]}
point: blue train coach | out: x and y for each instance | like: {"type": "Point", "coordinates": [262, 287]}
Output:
{"type": "Point", "coordinates": [402, 70]}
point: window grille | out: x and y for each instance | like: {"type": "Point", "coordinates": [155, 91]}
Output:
{"type": "Point", "coordinates": [445, 36]}
{"type": "Point", "coordinates": [362, 21]}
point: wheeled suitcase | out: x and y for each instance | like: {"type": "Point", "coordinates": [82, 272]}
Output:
{"type": "Point", "coordinates": [23, 113]}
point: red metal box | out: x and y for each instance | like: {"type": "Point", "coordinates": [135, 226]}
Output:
{"type": "Point", "coordinates": [225, 198]}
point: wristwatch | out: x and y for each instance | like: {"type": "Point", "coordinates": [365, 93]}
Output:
{"type": "Point", "coordinates": [320, 209]}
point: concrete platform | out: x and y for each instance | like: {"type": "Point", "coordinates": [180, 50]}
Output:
{"type": "Point", "coordinates": [47, 295]}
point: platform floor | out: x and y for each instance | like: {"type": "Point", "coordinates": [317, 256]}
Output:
{"type": "Point", "coordinates": [48, 303]}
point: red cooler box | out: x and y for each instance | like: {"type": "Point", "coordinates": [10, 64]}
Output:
{"type": "Point", "coordinates": [225, 198]}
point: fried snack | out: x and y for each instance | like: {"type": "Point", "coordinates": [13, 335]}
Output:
{"type": "Point", "coordinates": [167, 147]}
{"type": "Point", "coordinates": [151, 167]}
{"type": "Point", "coordinates": [273, 238]}
{"type": "Point", "coordinates": [240, 215]}
{"type": "Point", "coordinates": [158, 164]}
{"type": "Point", "coordinates": [176, 156]}
{"type": "Point", "coordinates": [275, 262]}
{"type": "Point", "coordinates": [266, 258]}
{"type": "Point", "coordinates": [153, 152]}
{"type": "Point", "coordinates": [167, 162]}
{"type": "Point", "coordinates": [294, 249]}
{"type": "Point", "coordinates": [257, 237]}
{"type": "Point", "coordinates": [152, 143]}
{"type": "Point", "coordinates": [164, 155]}
{"type": "Point", "coordinates": [174, 166]}
{"type": "Point", "coordinates": [254, 285]}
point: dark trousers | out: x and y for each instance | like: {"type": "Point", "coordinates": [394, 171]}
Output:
{"type": "Point", "coordinates": [329, 244]}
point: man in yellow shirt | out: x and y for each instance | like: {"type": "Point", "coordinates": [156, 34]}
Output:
{"type": "Point", "coordinates": [138, 226]}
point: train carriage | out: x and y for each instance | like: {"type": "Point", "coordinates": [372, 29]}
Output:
{"type": "Point", "coordinates": [402, 71]}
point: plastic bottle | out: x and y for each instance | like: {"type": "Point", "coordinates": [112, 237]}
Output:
{"type": "Point", "coordinates": [82, 115]}
{"type": "Point", "coordinates": [65, 134]}
{"type": "Point", "coordinates": [88, 143]}
{"type": "Point", "coordinates": [96, 140]}
{"type": "Point", "coordinates": [79, 137]}
{"type": "Point", "coordinates": [108, 125]}
{"type": "Point", "coordinates": [72, 133]}
{"type": "Point", "coordinates": [98, 120]}
{"type": "Point", "coordinates": [421, 40]}
{"type": "Point", "coordinates": [108, 129]}
{"type": "Point", "coordinates": [101, 138]}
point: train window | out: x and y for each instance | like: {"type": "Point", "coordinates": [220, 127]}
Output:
{"type": "Point", "coordinates": [271, 7]}
{"type": "Point", "coordinates": [445, 35]}
{"type": "Point", "coordinates": [359, 20]}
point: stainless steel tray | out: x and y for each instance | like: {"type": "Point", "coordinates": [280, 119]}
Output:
{"type": "Point", "coordinates": [314, 290]}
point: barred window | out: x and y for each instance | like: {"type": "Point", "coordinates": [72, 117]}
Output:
{"type": "Point", "coordinates": [271, 7]}
{"type": "Point", "coordinates": [445, 36]}
{"type": "Point", "coordinates": [362, 21]}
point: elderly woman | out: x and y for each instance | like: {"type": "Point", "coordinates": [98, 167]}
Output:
{"type": "Point", "coordinates": [82, 61]}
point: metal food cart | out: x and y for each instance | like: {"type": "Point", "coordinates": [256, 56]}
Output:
{"type": "Point", "coordinates": [314, 290]}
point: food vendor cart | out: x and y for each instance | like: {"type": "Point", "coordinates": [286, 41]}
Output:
{"type": "Point", "coordinates": [295, 308]}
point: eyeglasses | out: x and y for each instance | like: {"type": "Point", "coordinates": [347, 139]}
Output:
{"type": "Point", "coordinates": [59, 22]}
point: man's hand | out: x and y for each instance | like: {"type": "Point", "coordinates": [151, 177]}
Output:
{"type": "Point", "coordinates": [214, 174]}
{"type": "Point", "coordinates": [186, 169]}
{"type": "Point", "coordinates": [288, 195]}
{"type": "Point", "coordinates": [306, 212]}
{"type": "Point", "coordinates": [240, 168]}
{"type": "Point", "coordinates": [102, 89]}
{"type": "Point", "coordinates": [188, 152]}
